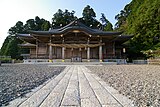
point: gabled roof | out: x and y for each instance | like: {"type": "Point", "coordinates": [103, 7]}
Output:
{"type": "Point", "coordinates": [73, 26]}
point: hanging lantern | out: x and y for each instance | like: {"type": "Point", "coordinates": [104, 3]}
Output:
{"type": "Point", "coordinates": [85, 48]}
{"type": "Point", "coordinates": [80, 49]}
{"type": "Point", "coordinates": [124, 50]}
{"type": "Point", "coordinates": [71, 49]}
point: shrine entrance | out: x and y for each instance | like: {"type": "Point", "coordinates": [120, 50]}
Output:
{"type": "Point", "coordinates": [76, 55]}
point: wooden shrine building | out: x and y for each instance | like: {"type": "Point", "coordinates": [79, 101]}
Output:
{"type": "Point", "coordinates": [74, 42]}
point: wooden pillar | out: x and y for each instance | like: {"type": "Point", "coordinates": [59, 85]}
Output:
{"type": "Point", "coordinates": [50, 50]}
{"type": "Point", "coordinates": [71, 54]}
{"type": "Point", "coordinates": [88, 54]}
{"type": "Point", "coordinates": [36, 49]}
{"type": "Point", "coordinates": [88, 51]}
{"type": "Point", "coordinates": [80, 49]}
{"type": "Point", "coordinates": [113, 49]}
{"type": "Point", "coordinates": [63, 48]}
{"type": "Point", "coordinates": [100, 51]}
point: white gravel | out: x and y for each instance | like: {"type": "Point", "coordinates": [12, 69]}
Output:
{"type": "Point", "coordinates": [17, 80]}
{"type": "Point", "coordinates": [141, 83]}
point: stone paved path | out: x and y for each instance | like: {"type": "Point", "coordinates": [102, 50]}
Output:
{"type": "Point", "coordinates": [76, 86]}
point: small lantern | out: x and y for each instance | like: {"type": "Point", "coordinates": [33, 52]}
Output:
{"type": "Point", "coordinates": [71, 49]}
{"type": "Point", "coordinates": [85, 48]}
{"type": "Point", "coordinates": [80, 49]}
{"type": "Point", "coordinates": [124, 50]}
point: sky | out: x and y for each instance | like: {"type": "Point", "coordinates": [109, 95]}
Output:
{"type": "Point", "coordinates": [12, 11]}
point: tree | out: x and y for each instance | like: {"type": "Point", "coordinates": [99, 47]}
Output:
{"type": "Point", "coordinates": [37, 24]}
{"type": "Point", "coordinates": [10, 46]}
{"type": "Point", "coordinates": [18, 28]}
{"type": "Point", "coordinates": [88, 17]}
{"type": "Point", "coordinates": [61, 18]}
{"type": "Point", "coordinates": [105, 25]}
{"type": "Point", "coordinates": [4, 46]}
{"type": "Point", "coordinates": [142, 19]}
{"type": "Point", "coordinates": [46, 25]}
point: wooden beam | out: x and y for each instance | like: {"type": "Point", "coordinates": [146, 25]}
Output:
{"type": "Point", "coordinates": [76, 45]}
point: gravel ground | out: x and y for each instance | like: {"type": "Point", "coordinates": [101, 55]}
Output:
{"type": "Point", "coordinates": [141, 83]}
{"type": "Point", "coordinates": [17, 80]}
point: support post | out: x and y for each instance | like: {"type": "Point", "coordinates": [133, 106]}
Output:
{"type": "Point", "coordinates": [113, 49]}
{"type": "Point", "coordinates": [88, 51]}
{"type": "Point", "coordinates": [36, 49]}
{"type": "Point", "coordinates": [63, 48]}
{"type": "Point", "coordinates": [50, 51]}
{"type": "Point", "coordinates": [100, 51]}
{"type": "Point", "coordinates": [63, 54]}
{"type": "Point", "coordinates": [88, 54]}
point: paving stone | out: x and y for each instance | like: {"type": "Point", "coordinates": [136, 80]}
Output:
{"type": "Point", "coordinates": [55, 97]}
{"type": "Point", "coordinates": [85, 89]}
{"type": "Point", "coordinates": [62, 85]}
{"type": "Point", "coordinates": [71, 98]}
{"type": "Point", "coordinates": [88, 98]}
{"type": "Point", "coordinates": [105, 98]}
{"type": "Point", "coordinates": [91, 102]}
{"type": "Point", "coordinates": [92, 81]}
{"type": "Point", "coordinates": [73, 84]}
{"type": "Point", "coordinates": [53, 100]}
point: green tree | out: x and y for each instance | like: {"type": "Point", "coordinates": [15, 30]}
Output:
{"type": "Point", "coordinates": [4, 46]}
{"type": "Point", "coordinates": [10, 46]}
{"type": "Point", "coordinates": [61, 18]}
{"type": "Point", "coordinates": [36, 24]}
{"type": "Point", "coordinates": [106, 25]}
{"type": "Point", "coordinates": [141, 18]}
{"type": "Point", "coordinates": [18, 28]}
{"type": "Point", "coordinates": [46, 25]}
{"type": "Point", "coordinates": [88, 17]}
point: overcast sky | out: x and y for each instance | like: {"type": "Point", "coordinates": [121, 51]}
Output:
{"type": "Point", "coordinates": [12, 11]}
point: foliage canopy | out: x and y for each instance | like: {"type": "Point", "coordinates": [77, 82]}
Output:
{"type": "Point", "coordinates": [141, 18]}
